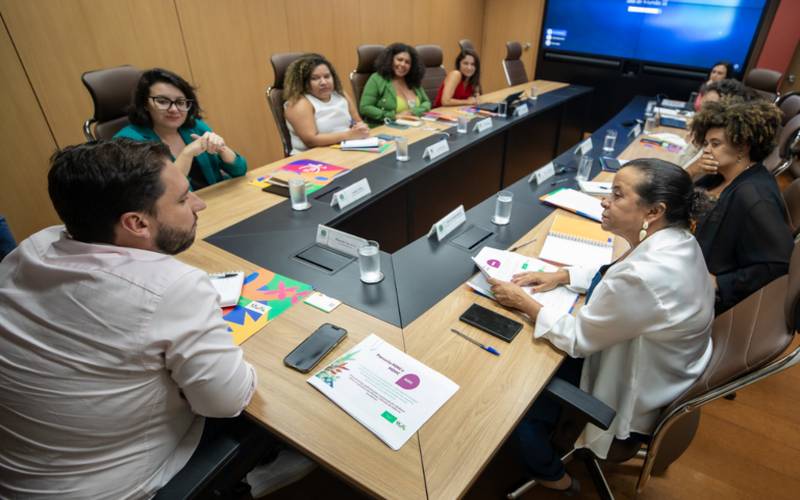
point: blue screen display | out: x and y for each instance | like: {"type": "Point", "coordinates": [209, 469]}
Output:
{"type": "Point", "coordinates": [690, 33]}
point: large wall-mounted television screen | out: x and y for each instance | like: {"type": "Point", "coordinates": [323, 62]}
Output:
{"type": "Point", "coordinates": [683, 33]}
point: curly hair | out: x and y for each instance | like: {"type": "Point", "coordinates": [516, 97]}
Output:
{"type": "Point", "coordinates": [475, 79]}
{"type": "Point", "coordinates": [298, 76]}
{"type": "Point", "coordinates": [137, 111]}
{"type": "Point", "coordinates": [384, 64]}
{"type": "Point", "coordinates": [735, 88]}
{"type": "Point", "coordinates": [754, 124]}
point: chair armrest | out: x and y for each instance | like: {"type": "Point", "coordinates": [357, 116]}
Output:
{"type": "Point", "coordinates": [595, 411]}
{"type": "Point", "coordinates": [201, 469]}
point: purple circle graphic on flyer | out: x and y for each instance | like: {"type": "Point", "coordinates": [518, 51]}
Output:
{"type": "Point", "coordinates": [493, 263]}
{"type": "Point", "coordinates": [408, 381]}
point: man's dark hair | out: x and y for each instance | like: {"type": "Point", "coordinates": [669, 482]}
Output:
{"type": "Point", "coordinates": [91, 185]}
{"type": "Point", "coordinates": [138, 113]}
{"type": "Point", "coordinates": [383, 64]}
{"type": "Point", "coordinates": [475, 79]}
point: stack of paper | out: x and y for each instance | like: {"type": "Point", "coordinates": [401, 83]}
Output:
{"type": "Point", "coordinates": [575, 201]}
{"type": "Point", "coordinates": [370, 145]}
{"type": "Point", "coordinates": [502, 265]}
{"type": "Point", "coordinates": [589, 187]}
{"type": "Point", "coordinates": [316, 174]}
{"type": "Point", "coordinates": [577, 242]}
{"type": "Point", "coordinates": [432, 116]}
{"type": "Point", "coordinates": [384, 389]}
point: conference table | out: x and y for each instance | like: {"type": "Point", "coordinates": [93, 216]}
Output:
{"type": "Point", "coordinates": [423, 292]}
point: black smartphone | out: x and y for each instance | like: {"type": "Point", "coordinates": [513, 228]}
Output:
{"type": "Point", "coordinates": [491, 322]}
{"type": "Point", "coordinates": [305, 356]}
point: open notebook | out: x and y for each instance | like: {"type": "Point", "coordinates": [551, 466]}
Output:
{"type": "Point", "coordinates": [575, 201]}
{"type": "Point", "coordinates": [577, 242]}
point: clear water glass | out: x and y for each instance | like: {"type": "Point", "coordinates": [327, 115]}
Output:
{"type": "Point", "coordinates": [610, 141]}
{"type": "Point", "coordinates": [401, 149]}
{"type": "Point", "coordinates": [584, 168]}
{"type": "Point", "coordinates": [369, 262]}
{"type": "Point", "coordinates": [502, 208]}
{"type": "Point", "coordinates": [534, 94]}
{"type": "Point", "coordinates": [650, 124]}
{"type": "Point", "coordinates": [502, 109]}
{"type": "Point", "coordinates": [297, 194]}
{"type": "Point", "coordinates": [463, 125]}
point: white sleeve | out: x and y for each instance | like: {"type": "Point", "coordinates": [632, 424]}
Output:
{"type": "Point", "coordinates": [199, 351]}
{"type": "Point", "coordinates": [580, 278]}
{"type": "Point", "coordinates": [622, 307]}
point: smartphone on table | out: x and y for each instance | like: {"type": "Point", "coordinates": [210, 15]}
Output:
{"type": "Point", "coordinates": [305, 356]}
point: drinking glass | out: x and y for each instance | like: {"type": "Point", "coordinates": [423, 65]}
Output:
{"type": "Point", "coordinates": [297, 194]}
{"type": "Point", "coordinates": [584, 168]}
{"type": "Point", "coordinates": [369, 262]}
{"type": "Point", "coordinates": [610, 141]}
{"type": "Point", "coordinates": [401, 149]}
{"type": "Point", "coordinates": [463, 124]}
{"type": "Point", "coordinates": [650, 124]}
{"type": "Point", "coordinates": [502, 208]}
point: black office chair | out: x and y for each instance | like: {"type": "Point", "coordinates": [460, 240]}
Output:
{"type": "Point", "coordinates": [431, 56]}
{"type": "Point", "coordinates": [217, 469]}
{"type": "Point", "coordinates": [466, 44]}
{"type": "Point", "coordinates": [275, 98]}
{"type": "Point", "coordinates": [367, 54]}
{"type": "Point", "coordinates": [513, 67]}
{"type": "Point", "coordinates": [112, 92]}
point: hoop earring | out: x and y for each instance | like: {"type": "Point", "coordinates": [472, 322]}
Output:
{"type": "Point", "coordinates": [643, 232]}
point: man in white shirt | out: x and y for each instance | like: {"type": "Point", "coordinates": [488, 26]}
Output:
{"type": "Point", "coordinates": [112, 352]}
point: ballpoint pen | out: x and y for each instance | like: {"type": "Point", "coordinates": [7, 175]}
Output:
{"type": "Point", "coordinates": [523, 245]}
{"type": "Point", "coordinates": [559, 181]}
{"type": "Point", "coordinates": [482, 346]}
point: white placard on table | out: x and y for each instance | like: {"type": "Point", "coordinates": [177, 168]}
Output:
{"type": "Point", "coordinates": [521, 110]}
{"type": "Point", "coordinates": [542, 174]}
{"type": "Point", "coordinates": [483, 125]}
{"type": "Point", "coordinates": [351, 193]}
{"type": "Point", "coordinates": [448, 223]}
{"type": "Point", "coordinates": [585, 147]}
{"type": "Point", "coordinates": [339, 240]}
{"type": "Point", "coordinates": [436, 150]}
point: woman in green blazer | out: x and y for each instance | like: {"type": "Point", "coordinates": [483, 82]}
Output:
{"type": "Point", "coordinates": [394, 90]}
{"type": "Point", "coordinates": [165, 109]}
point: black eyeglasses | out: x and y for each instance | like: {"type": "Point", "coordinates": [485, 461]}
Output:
{"type": "Point", "coordinates": [164, 103]}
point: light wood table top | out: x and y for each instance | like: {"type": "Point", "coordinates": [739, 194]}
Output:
{"type": "Point", "coordinates": [455, 445]}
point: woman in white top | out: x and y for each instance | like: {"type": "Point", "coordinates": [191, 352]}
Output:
{"type": "Point", "coordinates": [318, 112]}
{"type": "Point", "coordinates": [645, 328]}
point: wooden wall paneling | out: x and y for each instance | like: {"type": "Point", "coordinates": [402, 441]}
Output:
{"type": "Point", "coordinates": [391, 21]}
{"type": "Point", "coordinates": [509, 20]}
{"type": "Point", "coordinates": [452, 21]}
{"type": "Point", "coordinates": [57, 41]}
{"type": "Point", "coordinates": [229, 45]}
{"type": "Point", "coordinates": [27, 144]}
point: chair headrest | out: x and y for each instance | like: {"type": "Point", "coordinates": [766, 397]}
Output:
{"type": "Point", "coordinates": [111, 90]}
{"type": "Point", "coordinates": [790, 106]}
{"type": "Point", "coordinates": [788, 132]}
{"type": "Point", "coordinates": [431, 55]}
{"type": "Point", "coordinates": [466, 43]}
{"type": "Point", "coordinates": [763, 79]}
{"type": "Point", "coordinates": [513, 51]}
{"type": "Point", "coordinates": [280, 62]}
{"type": "Point", "coordinates": [366, 57]}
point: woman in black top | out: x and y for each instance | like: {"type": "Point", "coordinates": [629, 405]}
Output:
{"type": "Point", "coordinates": [745, 236]}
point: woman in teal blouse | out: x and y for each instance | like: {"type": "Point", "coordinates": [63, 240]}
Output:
{"type": "Point", "coordinates": [165, 109]}
{"type": "Point", "coordinates": [394, 90]}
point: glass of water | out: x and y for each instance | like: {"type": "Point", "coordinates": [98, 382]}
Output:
{"type": "Point", "coordinates": [610, 141]}
{"type": "Point", "coordinates": [401, 149]}
{"type": "Point", "coordinates": [502, 208]}
{"type": "Point", "coordinates": [463, 124]}
{"type": "Point", "coordinates": [369, 262]}
{"type": "Point", "coordinates": [297, 194]}
{"type": "Point", "coordinates": [502, 109]}
{"type": "Point", "coordinates": [584, 168]}
{"type": "Point", "coordinates": [650, 124]}
{"type": "Point", "coordinates": [534, 95]}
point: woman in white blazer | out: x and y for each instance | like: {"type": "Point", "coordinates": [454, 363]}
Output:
{"type": "Point", "coordinates": [644, 332]}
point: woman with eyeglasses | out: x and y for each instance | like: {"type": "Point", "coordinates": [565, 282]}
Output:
{"type": "Point", "coordinates": [165, 109]}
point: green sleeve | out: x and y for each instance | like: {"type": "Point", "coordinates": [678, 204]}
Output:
{"type": "Point", "coordinates": [373, 96]}
{"type": "Point", "coordinates": [424, 103]}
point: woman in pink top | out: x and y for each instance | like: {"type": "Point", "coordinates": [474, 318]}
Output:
{"type": "Point", "coordinates": [719, 72]}
{"type": "Point", "coordinates": [462, 85]}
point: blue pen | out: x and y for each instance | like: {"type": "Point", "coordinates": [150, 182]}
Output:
{"type": "Point", "coordinates": [484, 347]}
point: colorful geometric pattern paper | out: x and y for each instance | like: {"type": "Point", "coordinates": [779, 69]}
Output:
{"type": "Point", "coordinates": [317, 174]}
{"type": "Point", "coordinates": [265, 296]}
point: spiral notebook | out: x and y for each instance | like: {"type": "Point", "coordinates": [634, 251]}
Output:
{"type": "Point", "coordinates": [577, 242]}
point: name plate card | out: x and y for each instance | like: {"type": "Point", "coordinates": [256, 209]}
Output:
{"type": "Point", "coordinates": [636, 130]}
{"type": "Point", "coordinates": [339, 240]}
{"type": "Point", "coordinates": [483, 125]}
{"type": "Point", "coordinates": [543, 173]}
{"type": "Point", "coordinates": [351, 194]}
{"type": "Point", "coordinates": [448, 223]}
{"type": "Point", "coordinates": [436, 150]}
{"type": "Point", "coordinates": [584, 147]}
{"type": "Point", "coordinates": [521, 110]}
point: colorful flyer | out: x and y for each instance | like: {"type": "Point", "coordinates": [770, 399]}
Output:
{"type": "Point", "coordinates": [265, 296]}
{"type": "Point", "coordinates": [386, 390]}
